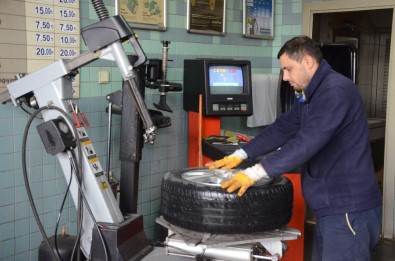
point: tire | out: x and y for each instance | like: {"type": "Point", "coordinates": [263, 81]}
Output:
{"type": "Point", "coordinates": [193, 199]}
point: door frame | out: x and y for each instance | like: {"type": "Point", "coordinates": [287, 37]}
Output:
{"type": "Point", "coordinates": [378, 74]}
{"type": "Point", "coordinates": [312, 8]}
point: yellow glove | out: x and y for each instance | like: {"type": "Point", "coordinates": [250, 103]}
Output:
{"type": "Point", "coordinates": [245, 179]}
{"type": "Point", "coordinates": [239, 181]}
{"type": "Point", "coordinates": [228, 162]}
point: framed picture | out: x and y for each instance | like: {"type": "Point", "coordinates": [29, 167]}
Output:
{"type": "Point", "coordinates": [206, 16]}
{"type": "Point", "coordinates": [258, 17]}
{"type": "Point", "coordinates": [144, 14]}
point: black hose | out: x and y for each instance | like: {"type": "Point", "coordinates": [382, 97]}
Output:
{"type": "Point", "coordinates": [26, 179]}
{"type": "Point", "coordinates": [25, 175]}
{"type": "Point", "coordinates": [59, 216]}
{"type": "Point", "coordinates": [77, 173]}
{"type": "Point", "coordinates": [76, 165]}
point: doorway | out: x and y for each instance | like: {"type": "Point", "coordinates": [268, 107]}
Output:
{"type": "Point", "coordinates": [369, 27]}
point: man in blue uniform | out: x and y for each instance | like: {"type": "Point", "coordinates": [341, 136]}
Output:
{"type": "Point", "coordinates": [326, 134]}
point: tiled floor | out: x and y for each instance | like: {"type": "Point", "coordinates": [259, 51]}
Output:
{"type": "Point", "coordinates": [384, 251]}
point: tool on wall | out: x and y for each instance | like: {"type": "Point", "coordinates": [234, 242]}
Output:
{"type": "Point", "coordinates": [157, 78]}
{"type": "Point", "coordinates": [76, 113]}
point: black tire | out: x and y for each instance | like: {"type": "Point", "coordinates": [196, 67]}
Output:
{"type": "Point", "coordinates": [205, 207]}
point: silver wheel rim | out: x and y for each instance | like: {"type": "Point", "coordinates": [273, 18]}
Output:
{"type": "Point", "coordinates": [209, 177]}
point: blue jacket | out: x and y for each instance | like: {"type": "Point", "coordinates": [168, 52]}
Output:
{"type": "Point", "coordinates": [328, 138]}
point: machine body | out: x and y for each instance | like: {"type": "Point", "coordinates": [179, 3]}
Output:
{"type": "Point", "coordinates": [51, 87]}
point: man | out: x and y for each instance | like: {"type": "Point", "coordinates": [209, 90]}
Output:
{"type": "Point", "coordinates": [326, 134]}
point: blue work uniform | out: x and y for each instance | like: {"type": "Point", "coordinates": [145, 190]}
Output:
{"type": "Point", "coordinates": [327, 137]}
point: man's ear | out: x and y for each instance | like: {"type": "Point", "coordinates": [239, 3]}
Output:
{"type": "Point", "coordinates": [309, 62]}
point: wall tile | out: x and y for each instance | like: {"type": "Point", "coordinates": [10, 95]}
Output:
{"type": "Point", "coordinates": [7, 231]}
{"type": "Point", "coordinates": [6, 127]}
{"type": "Point", "coordinates": [22, 210]}
{"type": "Point", "coordinates": [22, 245]}
{"type": "Point", "coordinates": [7, 162]}
{"type": "Point", "coordinates": [21, 227]}
{"type": "Point", "coordinates": [7, 179]}
{"type": "Point", "coordinates": [7, 196]}
{"type": "Point", "coordinates": [7, 249]}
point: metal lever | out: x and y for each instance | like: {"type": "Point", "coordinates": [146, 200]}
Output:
{"type": "Point", "coordinates": [128, 75]}
{"type": "Point", "coordinates": [275, 257]}
{"type": "Point", "coordinates": [110, 32]}
{"type": "Point", "coordinates": [149, 126]}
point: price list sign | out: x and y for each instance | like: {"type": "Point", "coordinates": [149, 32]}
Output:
{"type": "Point", "coordinates": [49, 30]}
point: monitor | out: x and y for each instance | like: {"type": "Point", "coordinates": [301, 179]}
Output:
{"type": "Point", "coordinates": [225, 85]}
{"type": "Point", "coordinates": [225, 79]}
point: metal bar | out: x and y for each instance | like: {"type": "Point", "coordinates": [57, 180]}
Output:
{"type": "Point", "coordinates": [109, 142]}
{"type": "Point", "coordinates": [195, 238]}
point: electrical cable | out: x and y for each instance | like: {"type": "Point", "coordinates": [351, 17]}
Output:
{"type": "Point", "coordinates": [76, 164]}
{"type": "Point", "coordinates": [60, 214]}
{"type": "Point", "coordinates": [26, 180]}
{"type": "Point", "coordinates": [72, 156]}
{"type": "Point", "coordinates": [80, 213]}
{"type": "Point", "coordinates": [28, 112]}
{"type": "Point", "coordinates": [78, 236]}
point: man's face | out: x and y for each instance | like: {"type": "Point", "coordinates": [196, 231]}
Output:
{"type": "Point", "coordinates": [295, 72]}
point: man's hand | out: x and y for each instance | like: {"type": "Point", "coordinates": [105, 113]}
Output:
{"type": "Point", "coordinates": [228, 162]}
{"type": "Point", "coordinates": [239, 181]}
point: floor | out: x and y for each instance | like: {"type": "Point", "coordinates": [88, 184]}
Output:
{"type": "Point", "coordinates": [384, 251]}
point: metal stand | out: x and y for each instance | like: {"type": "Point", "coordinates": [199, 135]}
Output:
{"type": "Point", "coordinates": [267, 245]}
{"type": "Point", "coordinates": [125, 241]}
{"type": "Point", "coordinates": [131, 143]}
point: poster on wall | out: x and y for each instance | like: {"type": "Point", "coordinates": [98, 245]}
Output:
{"type": "Point", "coordinates": [35, 34]}
{"type": "Point", "coordinates": [144, 14]}
{"type": "Point", "coordinates": [258, 19]}
{"type": "Point", "coordinates": [206, 16]}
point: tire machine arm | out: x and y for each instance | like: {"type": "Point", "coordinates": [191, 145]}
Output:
{"type": "Point", "coordinates": [52, 87]}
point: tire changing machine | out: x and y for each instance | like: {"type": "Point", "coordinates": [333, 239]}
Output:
{"type": "Point", "coordinates": [269, 245]}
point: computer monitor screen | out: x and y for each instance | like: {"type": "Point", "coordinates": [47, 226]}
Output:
{"type": "Point", "coordinates": [224, 84]}
{"type": "Point", "coordinates": [226, 79]}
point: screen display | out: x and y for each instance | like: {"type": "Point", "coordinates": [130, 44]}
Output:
{"type": "Point", "coordinates": [224, 79]}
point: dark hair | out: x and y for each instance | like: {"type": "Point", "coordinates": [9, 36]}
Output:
{"type": "Point", "coordinates": [298, 47]}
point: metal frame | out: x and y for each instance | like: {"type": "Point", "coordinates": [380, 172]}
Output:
{"type": "Point", "coordinates": [235, 247]}
{"type": "Point", "coordinates": [52, 86]}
